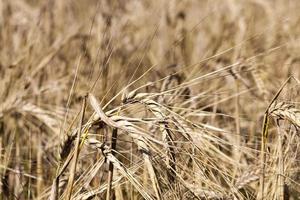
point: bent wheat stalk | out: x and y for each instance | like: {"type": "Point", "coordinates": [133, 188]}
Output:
{"type": "Point", "coordinates": [264, 137]}
{"type": "Point", "coordinates": [282, 111]}
{"type": "Point", "coordinates": [137, 135]}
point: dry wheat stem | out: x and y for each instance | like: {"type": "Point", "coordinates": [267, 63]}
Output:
{"type": "Point", "coordinates": [76, 153]}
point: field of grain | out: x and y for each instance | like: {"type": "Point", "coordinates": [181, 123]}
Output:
{"type": "Point", "coordinates": [155, 100]}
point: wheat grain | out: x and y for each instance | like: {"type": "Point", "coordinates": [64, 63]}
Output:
{"type": "Point", "coordinates": [282, 110]}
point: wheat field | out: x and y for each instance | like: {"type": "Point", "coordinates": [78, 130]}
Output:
{"type": "Point", "coordinates": [155, 100]}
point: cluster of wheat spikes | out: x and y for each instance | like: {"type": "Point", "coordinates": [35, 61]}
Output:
{"type": "Point", "coordinates": [169, 99]}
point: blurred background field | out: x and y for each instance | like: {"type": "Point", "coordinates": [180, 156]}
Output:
{"type": "Point", "coordinates": [185, 83]}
